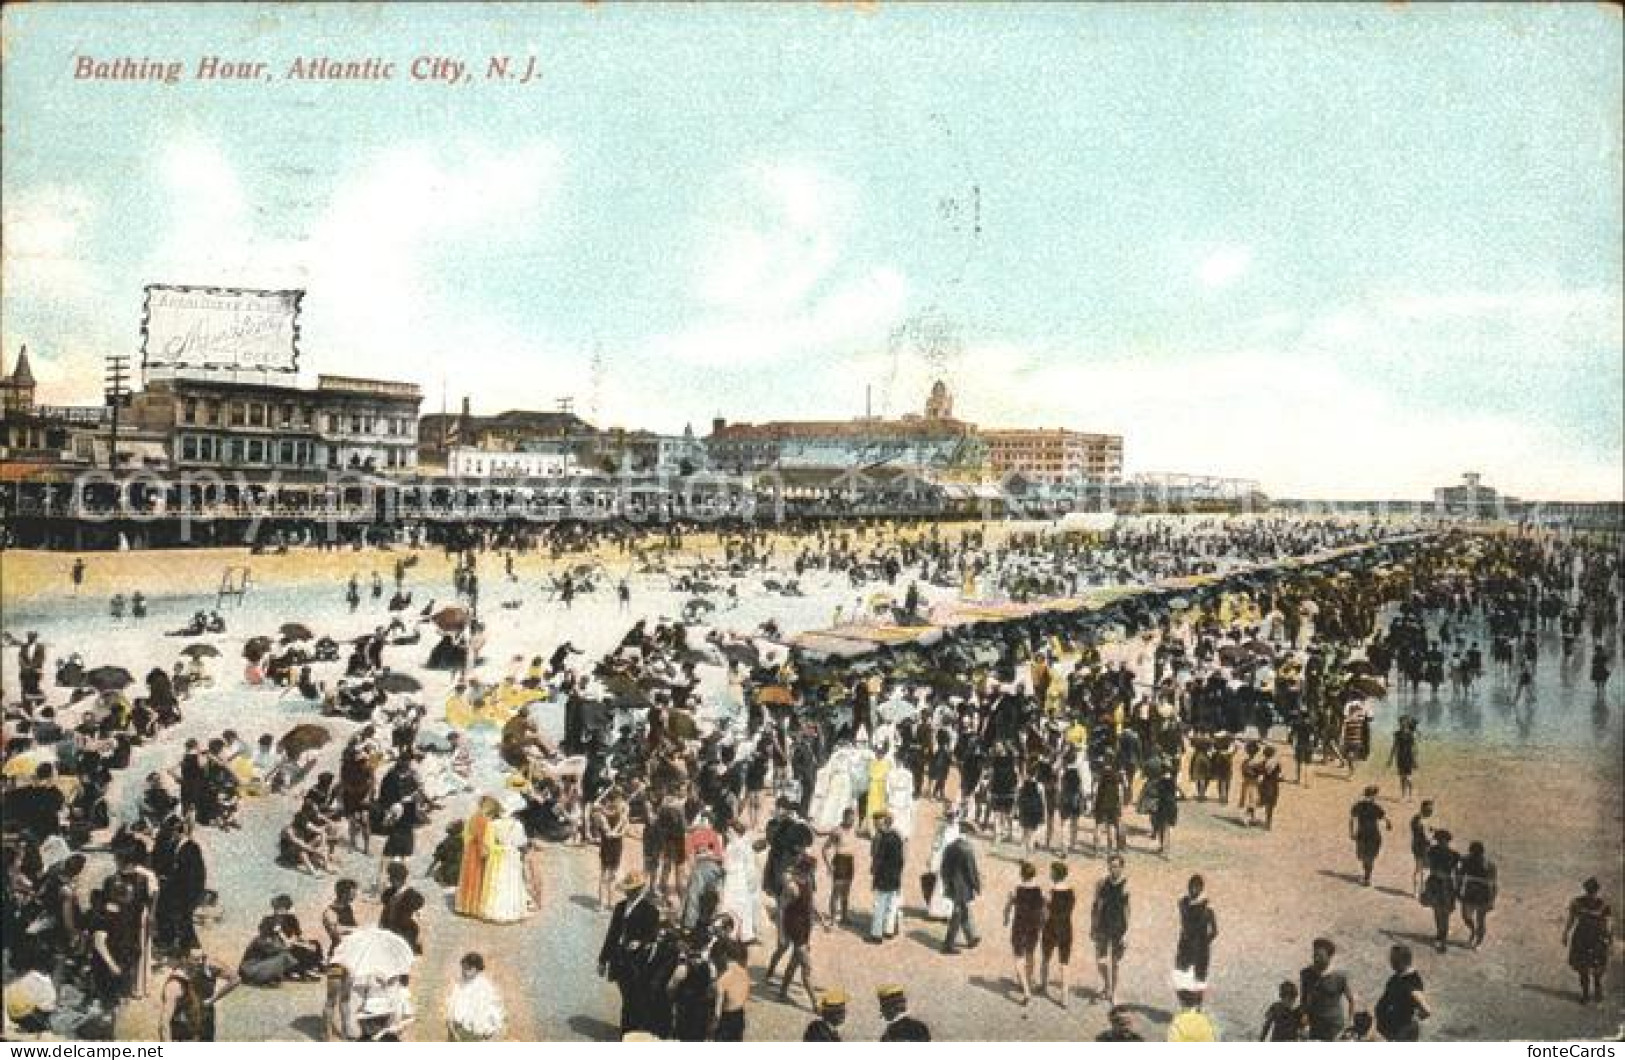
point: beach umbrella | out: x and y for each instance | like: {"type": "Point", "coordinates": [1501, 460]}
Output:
{"type": "Point", "coordinates": [452, 619]}
{"type": "Point", "coordinates": [20, 766]}
{"type": "Point", "coordinates": [306, 737]}
{"type": "Point", "coordinates": [256, 648]}
{"type": "Point", "coordinates": [1367, 685]}
{"type": "Point", "coordinates": [1258, 647]}
{"type": "Point", "coordinates": [374, 953]}
{"type": "Point", "coordinates": [1232, 653]}
{"type": "Point", "coordinates": [109, 678]}
{"type": "Point", "coordinates": [201, 651]}
{"type": "Point", "coordinates": [296, 631]}
{"type": "Point", "coordinates": [394, 682]}
{"type": "Point", "coordinates": [1361, 667]}
{"type": "Point", "coordinates": [775, 696]}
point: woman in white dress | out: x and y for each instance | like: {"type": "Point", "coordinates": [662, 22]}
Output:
{"type": "Point", "coordinates": [832, 794]}
{"type": "Point", "coordinates": [505, 896]}
{"type": "Point", "coordinates": [900, 800]}
{"type": "Point", "coordinates": [742, 884]}
{"type": "Point", "coordinates": [858, 760]}
{"type": "Point", "coordinates": [940, 907]}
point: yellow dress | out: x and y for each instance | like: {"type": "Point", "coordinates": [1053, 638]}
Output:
{"type": "Point", "coordinates": [498, 707]}
{"type": "Point", "coordinates": [879, 769]}
{"type": "Point", "coordinates": [496, 855]}
{"type": "Point", "coordinates": [459, 715]}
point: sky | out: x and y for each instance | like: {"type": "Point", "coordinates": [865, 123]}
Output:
{"type": "Point", "coordinates": [1349, 251]}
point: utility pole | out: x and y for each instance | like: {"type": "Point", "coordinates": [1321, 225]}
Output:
{"type": "Point", "coordinates": [118, 367]}
{"type": "Point", "coordinates": [597, 385]}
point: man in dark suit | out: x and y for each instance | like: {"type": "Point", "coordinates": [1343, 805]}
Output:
{"type": "Point", "coordinates": [962, 883]}
{"type": "Point", "coordinates": [632, 928]}
{"type": "Point", "coordinates": [900, 1026]}
{"type": "Point", "coordinates": [804, 759]}
{"type": "Point", "coordinates": [788, 838]}
{"type": "Point", "coordinates": [885, 878]}
{"type": "Point", "coordinates": [30, 667]}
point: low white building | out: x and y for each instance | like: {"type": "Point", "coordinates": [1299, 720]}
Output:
{"type": "Point", "coordinates": [529, 463]}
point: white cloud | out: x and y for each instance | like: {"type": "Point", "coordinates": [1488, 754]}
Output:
{"type": "Point", "coordinates": [45, 229]}
{"type": "Point", "coordinates": [1301, 424]}
{"type": "Point", "coordinates": [1537, 304]}
{"type": "Point", "coordinates": [1224, 266]}
{"type": "Point", "coordinates": [376, 303]}
{"type": "Point", "coordinates": [1475, 336]}
{"type": "Point", "coordinates": [857, 313]}
{"type": "Point", "coordinates": [773, 280]}
{"type": "Point", "coordinates": [783, 238]}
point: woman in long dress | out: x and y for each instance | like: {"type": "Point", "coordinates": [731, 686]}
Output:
{"type": "Point", "coordinates": [900, 801]}
{"type": "Point", "coordinates": [858, 760]}
{"type": "Point", "coordinates": [832, 794]}
{"type": "Point", "coordinates": [144, 887]}
{"type": "Point", "coordinates": [504, 900]}
{"type": "Point", "coordinates": [471, 877]}
{"type": "Point", "coordinates": [742, 885]}
{"type": "Point", "coordinates": [879, 770]}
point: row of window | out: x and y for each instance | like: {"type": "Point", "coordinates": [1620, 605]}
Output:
{"type": "Point", "coordinates": [279, 452]}
{"type": "Point", "coordinates": [288, 415]}
{"type": "Point", "coordinates": [25, 437]}
{"type": "Point", "coordinates": [505, 468]}
{"type": "Point", "coordinates": [285, 452]}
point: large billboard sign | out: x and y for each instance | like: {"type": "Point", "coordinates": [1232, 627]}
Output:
{"type": "Point", "coordinates": [219, 329]}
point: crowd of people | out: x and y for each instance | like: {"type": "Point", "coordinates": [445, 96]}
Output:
{"type": "Point", "coordinates": [730, 825]}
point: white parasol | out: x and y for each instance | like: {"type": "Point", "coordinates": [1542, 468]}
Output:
{"type": "Point", "coordinates": [374, 953]}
